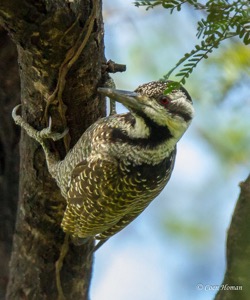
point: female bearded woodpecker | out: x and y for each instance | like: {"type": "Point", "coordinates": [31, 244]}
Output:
{"type": "Point", "coordinates": [121, 162]}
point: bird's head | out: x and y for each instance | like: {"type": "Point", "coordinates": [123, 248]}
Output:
{"type": "Point", "coordinates": [174, 110]}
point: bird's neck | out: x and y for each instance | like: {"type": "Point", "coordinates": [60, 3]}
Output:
{"type": "Point", "coordinates": [139, 138]}
{"type": "Point", "coordinates": [142, 130]}
{"type": "Point", "coordinates": [135, 127]}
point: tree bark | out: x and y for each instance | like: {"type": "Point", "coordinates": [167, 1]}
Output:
{"type": "Point", "coordinates": [48, 35]}
{"type": "Point", "coordinates": [236, 283]}
{"type": "Point", "coordinates": [9, 152]}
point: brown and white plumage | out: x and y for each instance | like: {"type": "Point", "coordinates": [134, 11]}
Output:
{"type": "Point", "coordinates": [122, 162]}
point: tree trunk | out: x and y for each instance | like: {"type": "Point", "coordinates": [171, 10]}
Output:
{"type": "Point", "coordinates": [9, 152]}
{"type": "Point", "coordinates": [60, 53]}
{"type": "Point", "coordinates": [236, 284]}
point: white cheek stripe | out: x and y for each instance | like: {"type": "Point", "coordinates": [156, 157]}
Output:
{"type": "Point", "coordinates": [188, 106]}
{"type": "Point", "coordinates": [139, 130]}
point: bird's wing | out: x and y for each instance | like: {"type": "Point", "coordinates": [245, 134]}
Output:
{"type": "Point", "coordinates": [102, 198]}
{"type": "Point", "coordinates": [89, 198]}
{"type": "Point", "coordinates": [150, 187]}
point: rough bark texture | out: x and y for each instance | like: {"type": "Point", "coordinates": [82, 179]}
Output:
{"type": "Point", "coordinates": [238, 250]}
{"type": "Point", "coordinates": [47, 32]}
{"type": "Point", "coordinates": [9, 152]}
{"type": "Point", "coordinates": [44, 32]}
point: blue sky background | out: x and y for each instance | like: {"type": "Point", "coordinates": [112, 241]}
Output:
{"type": "Point", "coordinates": [179, 241]}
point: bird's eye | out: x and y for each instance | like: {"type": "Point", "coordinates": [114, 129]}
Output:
{"type": "Point", "coordinates": [164, 100]}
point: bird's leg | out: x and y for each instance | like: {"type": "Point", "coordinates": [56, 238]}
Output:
{"type": "Point", "coordinates": [47, 133]}
{"type": "Point", "coordinates": [52, 158]}
{"type": "Point", "coordinates": [39, 136]}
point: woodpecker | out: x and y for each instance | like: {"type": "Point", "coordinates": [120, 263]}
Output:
{"type": "Point", "coordinates": [121, 162]}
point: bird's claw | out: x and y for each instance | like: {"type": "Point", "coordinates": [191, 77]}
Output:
{"type": "Point", "coordinates": [17, 119]}
{"type": "Point", "coordinates": [45, 133]}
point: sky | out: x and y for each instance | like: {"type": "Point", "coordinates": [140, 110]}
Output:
{"type": "Point", "coordinates": [176, 248]}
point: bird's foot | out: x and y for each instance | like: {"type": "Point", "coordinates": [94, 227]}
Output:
{"type": "Point", "coordinates": [39, 136]}
{"type": "Point", "coordinates": [47, 133]}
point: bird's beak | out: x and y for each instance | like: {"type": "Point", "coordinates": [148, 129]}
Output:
{"type": "Point", "coordinates": [128, 99]}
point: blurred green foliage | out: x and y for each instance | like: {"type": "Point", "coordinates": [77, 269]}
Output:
{"type": "Point", "coordinates": [219, 21]}
{"type": "Point", "coordinates": [226, 113]}
{"type": "Point", "coordinates": [196, 235]}
{"type": "Point", "coordinates": [191, 216]}
{"type": "Point", "coordinates": [219, 87]}
{"type": "Point", "coordinates": [233, 62]}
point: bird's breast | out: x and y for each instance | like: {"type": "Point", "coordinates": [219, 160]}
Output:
{"type": "Point", "coordinates": [145, 178]}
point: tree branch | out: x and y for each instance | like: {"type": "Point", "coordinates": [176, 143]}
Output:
{"type": "Point", "coordinates": [237, 277]}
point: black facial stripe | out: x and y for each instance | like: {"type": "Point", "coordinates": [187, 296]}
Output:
{"type": "Point", "coordinates": [186, 94]}
{"type": "Point", "coordinates": [179, 110]}
{"type": "Point", "coordinates": [185, 116]}
{"type": "Point", "coordinates": [158, 134]}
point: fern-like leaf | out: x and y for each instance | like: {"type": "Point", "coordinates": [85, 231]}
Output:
{"type": "Point", "coordinates": [224, 20]}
